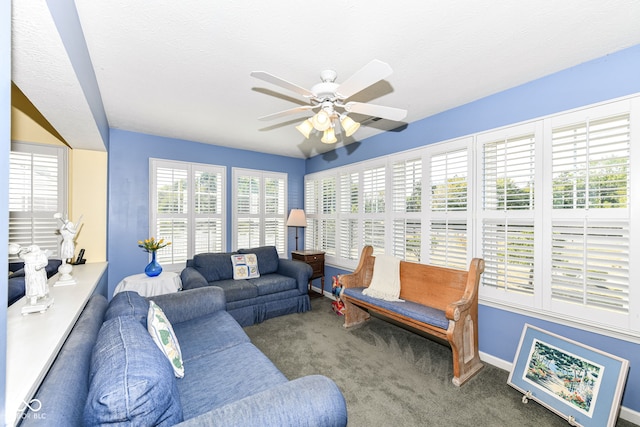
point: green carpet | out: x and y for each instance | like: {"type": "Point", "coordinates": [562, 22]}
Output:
{"type": "Point", "coordinates": [392, 377]}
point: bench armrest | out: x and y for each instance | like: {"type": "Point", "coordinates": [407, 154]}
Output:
{"type": "Point", "coordinates": [469, 298]}
{"type": "Point", "coordinates": [313, 400]}
{"type": "Point", "coordinates": [361, 276]}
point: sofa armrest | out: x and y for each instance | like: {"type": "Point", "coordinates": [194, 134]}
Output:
{"type": "Point", "coordinates": [299, 270]}
{"type": "Point", "coordinates": [313, 400]}
{"type": "Point", "coordinates": [192, 278]}
{"type": "Point", "coordinates": [186, 305]}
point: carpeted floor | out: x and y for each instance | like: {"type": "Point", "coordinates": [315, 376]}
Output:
{"type": "Point", "coordinates": [393, 377]}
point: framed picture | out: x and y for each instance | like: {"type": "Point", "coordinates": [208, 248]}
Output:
{"type": "Point", "coordinates": [579, 383]}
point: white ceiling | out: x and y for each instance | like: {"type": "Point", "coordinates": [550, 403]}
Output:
{"type": "Point", "coordinates": [181, 68]}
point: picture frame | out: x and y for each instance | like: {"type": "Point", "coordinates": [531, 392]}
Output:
{"type": "Point", "coordinates": [581, 384]}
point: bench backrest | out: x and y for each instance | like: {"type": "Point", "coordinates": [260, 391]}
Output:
{"type": "Point", "coordinates": [429, 285]}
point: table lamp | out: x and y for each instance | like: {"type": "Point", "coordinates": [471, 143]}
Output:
{"type": "Point", "coordinates": [297, 218]}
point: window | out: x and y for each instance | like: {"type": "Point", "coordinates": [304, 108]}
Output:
{"type": "Point", "coordinates": [590, 235]}
{"type": "Point", "coordinates": [449, 206]}
{"type": "Point", "coordinates": [547, 204]}
{"type": "Point", "coordinates": [260, 211]}
{"type": "Point", "coordinates": [37, 190]}
{"type": "Point", "coordinates": [508, 214]}
{"type": "Point", "coordinates": [188, 201]}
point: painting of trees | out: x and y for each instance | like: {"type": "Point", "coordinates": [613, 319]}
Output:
{"type": "Point", "coordinates": [570, 378]}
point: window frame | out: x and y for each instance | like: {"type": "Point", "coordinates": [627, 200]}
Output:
{"type": "Point", "coordinates": [190, 216]}
{"type": "Point", "coordinates": [262, 215]}
{"type": "Point", "coordinates": [62, 155]}
{"type": "Point", "coordinates": [538, 303]}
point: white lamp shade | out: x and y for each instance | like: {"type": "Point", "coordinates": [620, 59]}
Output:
{"type": "Point", "coordinates": [349, 125]}
{"type": "Point", "coordinates": [321, 121]}
{"type": "Point", "coordinates": [297, 218]}
{"type": "Point", "coordinates": [305, 128]}
{"type": "Point", "coordinates": [329, 136]}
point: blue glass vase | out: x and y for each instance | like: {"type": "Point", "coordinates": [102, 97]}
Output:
{"type": "Point", "coordinates": [153, 269]}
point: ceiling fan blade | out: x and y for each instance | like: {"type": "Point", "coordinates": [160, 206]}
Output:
{"type": "Point", "coordinates": [371, 73]}
{"type": "Point", "coordinates": [381, 111]}
{"type": "Point", "coordinates": [286, 112]}
{"type": "Point", "coordinates": [267, 77]}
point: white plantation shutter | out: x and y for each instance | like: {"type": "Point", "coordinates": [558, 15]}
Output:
{"type": "Point", "coordinates": [37, 190]}
{"type": "Point", "coordinates": [590, 263]}
{"type": "Point", "coordinates": [508, 252]}
{"type": "Point", "coordinates": [373, 234]}
{"type": "Point", "coordinates": [188, 210]}
{"type": "Point", "coordinates": [590, 164]}
{"type": "Point", "coordinates": [348, 214]}
{"type": "Point", "coordinates": [590, 238]}
{"type": "Point", "coordinates": [406, 196]}
{"type": "Point", "coordinates": [260, 211]}
{"type": "Point", "coordinates": [449, 208]}
{"type": "Point", "coordinates": [407, 239]}
{"type": "Point", "coordinates": [508, 217]}
{"type": "Point", "coordinates": [275, 213]}
{"type": "Point", "coordinates": [209, 216]}
{"type": "Point", "coordinates": [171, 213]}
{"type": "Point", "coordinates": [373, 190]}
{"type": "Point", "coordinates": [327, 221]}
{"type": "Point", "coordinates": [448, 243]}
{"type": "Point", "coordinates": [373, 208]}
{"type": "Point", "coordinates": [311, 210]}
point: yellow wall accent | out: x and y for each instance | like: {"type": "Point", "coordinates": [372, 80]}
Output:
{"type": "Point", "coordinates": [87, 181]}
{"type": "Point", "coordinates": [88, 190]}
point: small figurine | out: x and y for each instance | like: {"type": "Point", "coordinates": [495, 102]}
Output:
{"type": "Point", "coordinates": [35, 277]}
{"type": "Point", "coordinates": [68, 231]}
{"type": "Point", "coordinates": [336, 289]}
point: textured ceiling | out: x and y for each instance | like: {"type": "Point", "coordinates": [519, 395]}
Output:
{"type": "Point", "coordinates": [181, 68]}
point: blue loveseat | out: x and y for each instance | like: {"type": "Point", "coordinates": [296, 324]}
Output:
{"type": "Point", "coordinates": [109, 371]}
{"type": "Point", "coordinates": [282, 287]}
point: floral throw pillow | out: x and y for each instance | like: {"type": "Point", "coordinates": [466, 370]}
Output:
{"type": "Point", "coordinates": [164, 337]}
{"type": "Point", "coordinates": [245, 266]}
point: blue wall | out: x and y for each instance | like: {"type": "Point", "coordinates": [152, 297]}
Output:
{"type": "Point", "coordinates": [128, 189]}
{"type": "Point", "coordinates": [605, 78]}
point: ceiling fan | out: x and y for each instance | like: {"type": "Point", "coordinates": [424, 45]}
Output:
{"type": "Point", "coordinates": [327, 100]}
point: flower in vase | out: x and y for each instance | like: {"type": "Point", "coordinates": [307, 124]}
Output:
{"type": "Point", "coordinates": [152, 245]}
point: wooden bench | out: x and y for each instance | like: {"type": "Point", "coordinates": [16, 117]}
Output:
{"type": "Point", "coordinates": [442, 302]}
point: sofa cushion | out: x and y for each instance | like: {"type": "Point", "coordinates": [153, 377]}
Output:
{"type": "Point", "coordinates": [237, 372]}
{"type": "Point", "coordinates": [197, 340]}
{"type": "Point", "coordinates": [131, 382]}
{"type": "Point", "coordinates": [273, 283]}
{"type": "Point", "coordinates": [214, 266]}
{"type": "Point", "coordinates": [245, 266]}
{"type": "Point", "coordinates": [235, 290]}
{"type": "Point", "coordinates": [128, 303]}
{"type": "Point", "coordinates": [267, 258]}
{"type": "Point", "coordinates": [162, 334]}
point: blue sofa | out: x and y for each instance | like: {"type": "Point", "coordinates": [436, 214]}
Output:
{"type": "Point", "coordinates": [282, 287]}
{"type": "Point", "coordinates": [110, 371]}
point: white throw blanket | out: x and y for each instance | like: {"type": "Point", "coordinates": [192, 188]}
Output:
{"type": "Point", "coordinates": [385, 283]}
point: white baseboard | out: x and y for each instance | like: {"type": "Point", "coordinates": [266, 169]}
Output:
{"type": "Point", "coordinates": [625, 413]}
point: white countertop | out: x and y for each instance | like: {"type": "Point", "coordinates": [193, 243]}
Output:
{"type": "Point", "coordinates": [34, 340]}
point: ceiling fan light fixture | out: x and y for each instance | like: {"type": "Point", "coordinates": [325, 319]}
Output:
{"type": "Point", "coordinates": [305, 128]}
{"type": "Point", "coordinates": [329, 136]}
{"type": "Point", "coordinates": [321, 121]}
{"type": "Point", "coordinates": [349, 125]}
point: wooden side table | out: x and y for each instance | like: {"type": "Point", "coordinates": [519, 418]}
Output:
{"type": "Point", "coordinates": [316, 260]}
